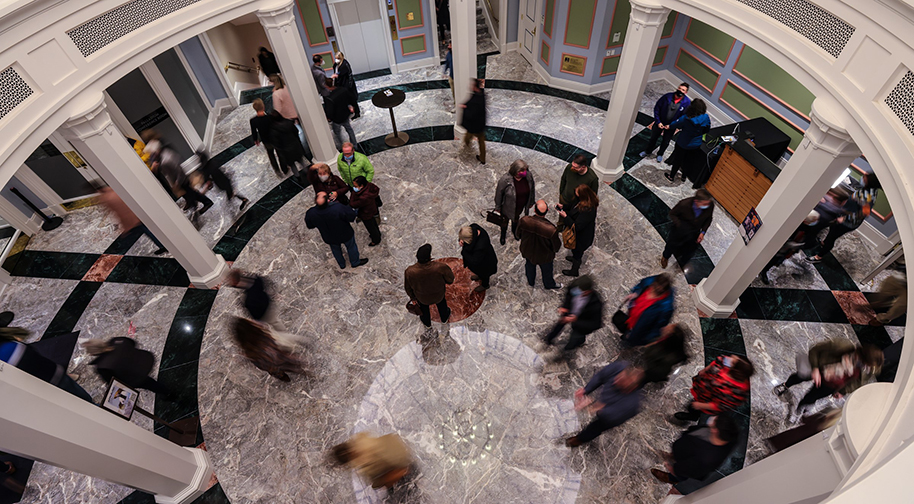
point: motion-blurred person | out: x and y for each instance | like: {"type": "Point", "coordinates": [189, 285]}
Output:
{"type": "Point", "coordinates": [650, 308]}
{"type": "Point", "coordinates": [700, 450]}
{"type": "Point", "coordinates": [794, 244]}
{"type": "Point", "coordinates": [857, 208]}
{"type": "Point", "coordinates": [333, 219]}
{"type": "Point", "coordinates": [836, 367]}
{"type": "Point", "coordinates": [474, 118]}
{"type": "Point", "coordinates": [320, 75]}
{"type": "Point", "coordinates": [831, 210]}
{"type": "Point", "coordinates": [168, 162]}
{"type": "Point", "coordinates": [449, 68]}
{"type": "Point", "coordinates": [22, 356]}
{"type": "Point", "coordinates": [263, 351]}
{"type": "Point", "coordinates": [582, 308]}
{"type": "Point", "coordinates": [809, 426]}
{"type": "Point", "coordinates": [577, 172]}
{"type": "Point", "coordinates": [257, 299]}
{"type": "Point", "coordinates": [130, 224]}
{"type": "Point", "coordinates": [260, 132]}
{"type": "Point", "coordinates": [343, 78]}
{"type": "Point", "coordinates": [323, 180]}
{"type": "Point", "coordinates": [661, 356]}
{"type": "Point", "coordinates": [514, 193]}
{"type": "Point", "coordinates": [381, 461]}
{"type": "Point", "coordinates": [268, 64]}
{"type": "Point", "coordinates": [619, 400]}
{"type": "Point", "coordinates": [119, 358]}
{"type": "Point", "coordinates": [282, 100]}
{"type": "Point", "coordinates": [364, 198]}
{"type": "Point", "coordinates": [691, 219]}
{"type": "Point", "coordinates": [539, 242]}
{"type": "Point", "coordinates": [352, 164]}
{"type": "Point", "coordinates": [339, 105]}
{"type": "Point", "coordinates": [891, 296]}
{"type": "Point", "coordinates": [582, 217]}
{"type": "Point", "coordinates": [426, 284]}
{"type": "Point", "coordinates": [687, 155]}
{"type": "Point", "coordinates": [478, 254]}
{"type": "Point", "coordinates": [723, 385]}
{"type": "Point", "coordinates": [213, 173]}
{"type": "Point", "coordinates": [668, 108]}
{"type": "Point", "coordinates": [291, 151]}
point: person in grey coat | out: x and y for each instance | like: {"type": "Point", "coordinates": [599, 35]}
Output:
{"type": "Point", "coordinates": [515, 193]}
{"type": "Point", "coordinates": [320, 76]}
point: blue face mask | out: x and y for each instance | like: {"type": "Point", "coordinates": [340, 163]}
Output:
{"type": "Point", "coordinates": [576, 291]}
{"type": "Point", "coordinates": [702, 207]}
{"type": "Point", "coordinates": [349, 158]}
{"type": "Point", "coordinates": [356, 189]}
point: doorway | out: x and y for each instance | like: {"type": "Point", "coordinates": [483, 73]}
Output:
{"type": "Point", "coordinates": [361, 34]}
{"type": "Point", "coordinates": [527, 29]}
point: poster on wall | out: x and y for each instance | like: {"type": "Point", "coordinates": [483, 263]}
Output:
{"type": "Point", "coordinates": [573, 64]}
{"type": "Point", "coordinates": [750, 226]}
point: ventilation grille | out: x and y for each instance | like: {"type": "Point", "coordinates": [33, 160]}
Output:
{"type": "Point", "coordinates": [13, 91]}
{"type": "Point", "coordinates": [901, 101]}
{"type": "Point", "coordinates": [105, 29]}
{"type": "Point", "coordinates": [819, 26]}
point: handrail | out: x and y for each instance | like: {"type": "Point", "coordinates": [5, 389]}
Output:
{"type": "Point", "coordinates": [240, 67]}
{"type": "Point", "coordinates": [491, 12]}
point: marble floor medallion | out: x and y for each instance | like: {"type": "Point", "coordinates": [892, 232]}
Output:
{"type": "Point", "coordinates": [461, 298]}
{"type": "Point", "coordinates": [479, 423]}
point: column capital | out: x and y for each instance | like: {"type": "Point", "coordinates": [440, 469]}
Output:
{"type": "Point", "coordinates": [827, 131]}
{"type": "Point", "coordinates": [92, 118]}
{"type": "Point", "coordinates": [277, 16]}
{"type": "Point", "coordinates": [648, 13]}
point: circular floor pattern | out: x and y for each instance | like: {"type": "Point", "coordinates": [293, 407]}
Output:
{"type": "Point", "coordinates": [478, 423]}
{"type": "Point", "coordinates": [461, 298]}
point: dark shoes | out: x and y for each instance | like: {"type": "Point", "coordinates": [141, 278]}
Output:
{"type": "Point", "coordinates": [685, 417]}
{"type": "Point", "coordinates": [780, 389]}
{"type": "Point", "coordinates": [668, 177]}
{"type": "Point", "coordinates": [446, 316]}
{"type": "Point", "coordinates": [661, 475]}
{"type": "Point", "coordinates": [244, 204]}
{"type": "Point", "coordinates": [664, 262]}
{"type": "Point", "coordinates": [474, 277]}
{"type": "Point", "coordinates": [362, 262]}
{"type": "Point", "coordinates": [573, 442]}
{"type": "Point", "coordinates": [160, 251]}
{"type": "Point", "coordinates": [555, 287]}
{"type": "Point", "coordinates": [569, 258]}
{"type": "Point", "coordinates": [479, 288]}
{"type": "Point", "coordinates": [573, 272]}
{"type": "Point", "coordinates": [480, 159]}
{"type": "Point", "coordinates": [373, 244]}
{"type": "Point", "coordinates": [763, 276]}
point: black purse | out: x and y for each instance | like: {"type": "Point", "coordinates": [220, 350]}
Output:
{"type": "Point", "coordinates": [496, 218]}
{"type": "Point", "coordinates": [620, 319]}
{"type": "Point", "coordinates": [378, 202]}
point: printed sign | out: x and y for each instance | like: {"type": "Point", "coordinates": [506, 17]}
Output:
{"type": "Point", "coordinates": [750, 226]}
{"type": "Point", "coordinates": [120, 399]}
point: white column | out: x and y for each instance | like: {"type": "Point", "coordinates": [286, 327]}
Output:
{"type": "Point", "coordinates": [93, 134]}
{"type": "Point", "coordinates": [644, 30]}
{"type": "Point", "coordinates": [826, 150]}
{"type": "Point", "coordinates": [28, 224]}
{"type": "Point", "coordinates": [58, 428]}
{"type": "Point", "coordinates": [463, 53]}
{"type": "Point", "coordinates": [39, 188]}
{"type": "Point", "coordinates": [279, 24]}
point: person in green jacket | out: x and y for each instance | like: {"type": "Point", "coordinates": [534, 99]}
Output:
{"type": "Point", "coordinates": [352, 164]}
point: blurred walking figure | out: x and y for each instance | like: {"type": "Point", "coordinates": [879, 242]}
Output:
{"type": "Point", "coordinates": [723, 385]}
{"type": "Point", "coordinates": [892, 296]}
{"type": "Point", "coordinates": [539, 242]}
{"type": "Point", "coordinates": [582, 308]}
{"type": "Point", "coordinates": [478, 254]}
{"type": "Point", "coordinates": [261, 125]}
{"type": "Point", "coordinates": [857, 208]}
{"type": "Point", "coordinates": [650, 308]}
{"type": "Point", "coordinates": [426, 284]}
{"type": "Point", "coordinates": [167, 161]}
{"type": "Point", "coordinates": [130, 224]}
{"type": "Point", "coordinates": [282, 100]}
{"type": "Point", "coordinates": [836, 367]}
{"type": "Point", "coordinates": [119, 358]}
{"type": "Point", "coordinates": [691, 219]}
{"type": "Point", "coordinates": [581, 216]}
{"type": "Point", "coordinates": [339, 105]}
{"type": "Point", "coordinates": [661, 356]}
{"type": "Point", "coordinates": [619, 400]}
{"type": "Point", "coordinates": [514, 193]}
{"type": "Point", "coordinates": [381, 461]}
{"type": "Point", "coordinates": [474, 118]}
{"type": "Point", "coordinates": [259, 347]}
{"type": "Point", "coordinates": [365, 197]}
{"type": "Point", "coordinates": [20, 355]}
{"type": "Point", "coordinates": [699, 450]}
{"type": "Point", "coordinates": [257, 299]}
{"type": "Point", "coordinates": [268, 64]}
{"type": "Point", "coordinates": [213, 173]}
{"type": "Point", "coordinates": [794, 244]}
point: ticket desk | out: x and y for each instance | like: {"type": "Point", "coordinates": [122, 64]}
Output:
{"type": "Point", "coordinates": [741, 178]}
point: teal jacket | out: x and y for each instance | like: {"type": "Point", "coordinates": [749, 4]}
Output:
{"type": "Point", "coordinates": [360, 166]}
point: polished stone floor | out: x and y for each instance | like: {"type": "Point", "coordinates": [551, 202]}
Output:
{"type": "Point", "coordinates": [369, 368]}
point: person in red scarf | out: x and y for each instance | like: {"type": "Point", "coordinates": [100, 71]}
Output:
{"type": "Point", "coordinates": [650, 308]}
{"type": "Point", "coordinates": [723, 385]}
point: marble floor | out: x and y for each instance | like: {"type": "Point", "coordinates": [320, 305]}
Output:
{"type": "Point", "coordinates": [370, 368]}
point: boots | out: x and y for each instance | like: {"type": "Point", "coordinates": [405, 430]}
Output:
{"type": "Point", "coordinates": [575, 269]}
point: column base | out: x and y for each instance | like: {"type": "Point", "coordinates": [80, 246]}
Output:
{"type": "Point", "coordinates": [197, 486]}
{"type": "Point", "coordinates": [708, 307]}
{"type": "Point", "coordinates": [212, 279]}
{"type": "Point", "coordinates": [459, 131]}
{"type": "Point", "coordinates": [608, 175]}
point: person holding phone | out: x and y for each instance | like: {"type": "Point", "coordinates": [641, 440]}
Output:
{"type": "Point", "coordinates": [723, 385]}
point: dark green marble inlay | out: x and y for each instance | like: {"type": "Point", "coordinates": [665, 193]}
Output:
{"type": "Point", "coordinates": [149, 271]}
{"type": "Point", "coordinates": [44, 264]}
{"type": "Point", "coordinates": [835, 276]}
{"type": "Point", "coordinates": [872, 335]}
{"type": "Point", "coordinates": [786, 304]}
{"type": "Point", "coordinates": [72, 309]}
{"type": "Point", "coordinates": [721, 337]}
{"type": "Point", "coordinates": [651, 207]}
{"type": "Point", "coordinates": [520, 138]}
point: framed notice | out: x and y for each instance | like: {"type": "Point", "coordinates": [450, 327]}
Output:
{"type": "Point", "coordinates": [750, 226]}
{"type": "Point", "coordinates": [573, 64]}
{"type": "Point", "coordinates": [120, 399]}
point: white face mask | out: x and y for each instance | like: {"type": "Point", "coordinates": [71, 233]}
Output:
{"type": "Point", "coordinates": [324, 178]}
{"type": "Point", "coordinates": [339, 60]}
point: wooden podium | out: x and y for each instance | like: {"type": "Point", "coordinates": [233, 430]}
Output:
{"type": "Point", "coordinates": [737, 184]}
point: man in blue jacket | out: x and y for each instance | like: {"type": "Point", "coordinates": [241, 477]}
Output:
{"type": "Point", "coordinates": [668, 108]}
{"type": "Point", "coordinates": [650, 308]}
{"type": "Point", "coordinates": [619, 400]}
{"type": "Point", "coordinates": [332, 219]}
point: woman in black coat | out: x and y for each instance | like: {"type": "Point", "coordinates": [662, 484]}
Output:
{"type": "Point", "coordinates": [478, 254]}
{"type": "Point", "coordinates": [342, 72]}
{"type": "Point", "coordinates": [583, 216]}
{"type": "Point", "coordinates": [288, 145]}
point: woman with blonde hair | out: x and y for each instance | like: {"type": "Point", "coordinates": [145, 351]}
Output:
{"type": "Point", "coordinates": [582, 217]}
{"type": "Point", "coordinates": [282, 100]}
{"type": "Point", "coordinates": [343, 78]}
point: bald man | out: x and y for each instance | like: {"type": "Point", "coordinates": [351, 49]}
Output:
{"type": "Point", "coordinates": [539, 242]}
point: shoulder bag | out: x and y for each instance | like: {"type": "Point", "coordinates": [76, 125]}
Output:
{"type": "Point", "coordinates": [568, 238]}
{"type": "Point", "coordinates": [496, 218]}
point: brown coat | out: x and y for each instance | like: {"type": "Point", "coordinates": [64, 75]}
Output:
{"type": "Point", "coordinates": [539, 239]}
{"type": "Point", "coordinates": [427, 283]}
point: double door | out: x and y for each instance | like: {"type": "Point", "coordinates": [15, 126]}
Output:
{"type": "Point", "coordinates": [361, 32]}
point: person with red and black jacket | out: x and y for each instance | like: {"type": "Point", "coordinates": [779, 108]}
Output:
{"type": "Point", "coordinates": [364, 198]}
{"type": "Point", "coordinates": [723, 385]}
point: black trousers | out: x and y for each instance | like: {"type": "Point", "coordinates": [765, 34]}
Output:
{"type": "Point", "coordinates": [193, 197]}
{"type": "Point", "coordinates": [835, 231]}
{"type": "Point", "coordinates": [271, 155]}
{"type": "Point", "coordinates": [371, 224]}
{"type": "Point", "coordinates": [425, 314]}
{"type": "Point", "coordinates": [575, 340]}
{"type": "Point", "coordinates": [504, 229]}
{"type": "Point", "coordinates": [594, 429]}
{"type": "Point", "coordinates": [683, 249]}
{"type": "Point", "coordinates": [815, 394]}
{"type": "Point", "coordinates": [656, 134]}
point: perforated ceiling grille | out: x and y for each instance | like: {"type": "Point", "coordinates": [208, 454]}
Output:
{"type": "Point", "coordinates": [105, 29]}
{"type": "Point", "coordinates": [13, 91]}
{"type": "Point", "coordinates": [819, 26]}
{"type": "Point", "coordinates": [901, 101]}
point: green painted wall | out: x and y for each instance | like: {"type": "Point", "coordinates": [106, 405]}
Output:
{"type": "Point", "coordinates": [544, 52]}
{"type": "Point", "coordinates": [404, 7]}
{"type": "Point", "coordinates": [774, 79]}
{"type": "Point", "coordinates": [622, 13]}
{"type": "Point", "coordinates": [413, 44]}
{"type": "Point", "coordinates": [610, 65]}
{"type": "Point", "coordinates": [712, 40]}
{"type": "Point", "coordinates": [659, 55]}
{"type": "Point", "coordinates": [549, 20]}
{"type": "Point", "coordinates": [690, 65]}
{"type": "Point", "coordinates": [580, 22]}
{"type": "Point", "coordinates": [311, 18]}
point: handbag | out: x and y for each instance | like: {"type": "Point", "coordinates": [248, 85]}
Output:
{"type": "Point", "coordinates": [620, 319]}
{"type": "Point", "coordinates": [413, 308]}
{"type": "Point", "coordinates": [496, 218]}
{"type": "Point", "coordinates": [569, 239]}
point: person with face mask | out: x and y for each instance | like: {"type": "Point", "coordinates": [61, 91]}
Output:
{"type": "Point", "coordinates": [583, 218]}
{"type": "Point", "coordinates": [576, 173]}
{"type": "Point", "coordinates": [323, 180]}
{"type": "Point", "coordinates": [333, 219]}
{"type": "Point", "coordinates": [343, 78]}
{"type": "Point", "coordinates": [352, 164]}
{"type": "Point", "coordinates": [478, 254]}
{"type": "Point", "coordinates": [668, 108]}
{"type": "Point", "coordinates": [365, 199]}
{"type": "Point", "coordinates": [691, 219]}
{"type": "Point", "coordinates": [582, 308]}
{"type": "Point", "coordinates": [515, 193]}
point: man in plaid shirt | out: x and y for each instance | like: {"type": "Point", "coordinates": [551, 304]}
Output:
{"type": "Point", "coordinates": [723, 385]}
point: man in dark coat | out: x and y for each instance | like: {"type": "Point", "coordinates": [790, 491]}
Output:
{"type": "Point", "coordinates": [268, 63]}
{"type": "Point", "coordinates": [338, 107]}
{"type": "Point", "coordinates": [539, 242]}
{"type": "Point", "coordinates": [474, 118]}
{"type": "Point", "coordinates": [344, 79]}
{"type": "Point", "coordinates": [257, 299]}
{"type": "Point", "coordinates": [119, 358]}
{"type": "Point", "coordinates": [478, 254]}
{"type": "Point", "coordinates": [668, 108]}
{"type": "Point", "coordinates": [426, 284]}
{"type": "Point", "coordinates": [260, 132]}
{"type": "Point", "coordinates": [332, 219]}
{"type": "Point", "coordinates": [700, 450]}
{"type": "Point", "coordinates": [691, 219]}
{"type": "Point", "coordinates": [320, 75]}
{"type": "Point", "coordinates": [583, 309]}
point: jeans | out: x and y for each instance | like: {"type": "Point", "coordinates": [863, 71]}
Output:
{"type": "Point", "coordinates": [351, 248]}
{"type": "Point", "coordinates": [338, 133]}
{"type": "Point", "coordinates": [575, 340]}
{"type": "Point", "coordinates": [656, 132]}
{"type": "Point", "coordinates": [467, 137]}
{"type": "Point", "coordinates": [545, 270]}
{"type": "Point", "coordinates": [425, 314]}
{"type": "Point", "coordinates": [374, 232]}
